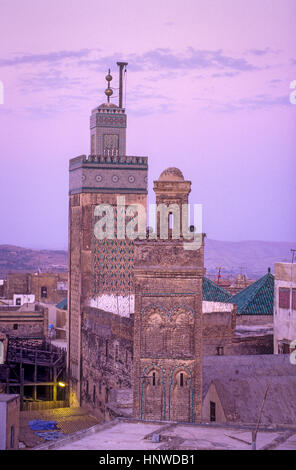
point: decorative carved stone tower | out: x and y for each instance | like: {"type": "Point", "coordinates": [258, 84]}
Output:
{"type": "Point", "coordinates": [168, 319]}
{"type": "Point", "coordinates": [172, 191]}
{"type": "Point", "coordinates": [100, 271]}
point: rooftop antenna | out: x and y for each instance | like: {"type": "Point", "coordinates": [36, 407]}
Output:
{"type": "Point", "coordinates": [219, 273]}
{"type": "Point", "coordinates": [293, 251]}
{"type": "Point", "coordinates": [241, 268]}
{"type": "Point", "coordinates": [121, 66]}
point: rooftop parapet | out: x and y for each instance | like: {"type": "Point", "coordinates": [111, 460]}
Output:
{"type": "Point", "coordinates": [108, 158]}
{"type": "Point", "coordinates": [111, 109]}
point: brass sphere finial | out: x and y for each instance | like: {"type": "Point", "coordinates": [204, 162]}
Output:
{"type": "Point", "coordinates": [108, 91]}
{"type": "Point", "coordinates": [109, 76]}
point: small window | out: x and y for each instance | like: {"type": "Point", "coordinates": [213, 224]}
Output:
{"type": "Point", "coordinates": [44, 292]}
{"type": "Point", "coordinates": [181, 379]}
{"type": "Point", "coordinates": [15, 326]}
{"type": "Point", "coordinates": [286, 348]}
{"type": "Point", "coordinates": [294, 299]}
{"type": "Point", "coordinates": [107, 395]}
{"type": "Point", "coordinates": [284, 297]}
{"type": "Point", "coordinates": [212, 411]}
{"type": "Point", "coordinates": [107, 349]}
{"type": "Point", "coordinates": [94, 394]}
{"type": "Point", "coordinates": [93, 145]}
{"type": "Point", "coordinates": [220, 351]}
{"type": "Point", "coordinates": [12, 437]}
{"type": "Point", "coordinates": [153, 379]}
{"type": "Point", "coordinates": [18, 301]}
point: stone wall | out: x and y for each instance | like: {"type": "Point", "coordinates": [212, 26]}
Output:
{"type": "Point", "coordinates": [31, 283]}
{"type": "Point", "coordinates": [9, 421]}
{"type": "Point", "coordinates": [107, 358]}
{"type": "Point", "coordinates": [16, 283]}
{"type": "Point", "coordinates": [254, 319]}
{"type": "Point", "coordinates": [12, 424]}
{"type": "Point", "coordinates": [49, 281]}
{"type": "Point", "coordinates": [24, 323]}
{"type": "Point", "coordinates": [256, 344]}
{"type": "Point", "coordinates": [87, 265]}
{"type": "Point", "coordinates": [167, 332]}
{"type": "Point", "coordinates": [212, 396]}
{"type": "Point", "coordinates": [219, 322]}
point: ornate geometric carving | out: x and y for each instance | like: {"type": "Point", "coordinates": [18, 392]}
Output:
{"type": "Point", "coordinates": [113, 262]}
{"type": "Point", "coordinates": [173, 329]}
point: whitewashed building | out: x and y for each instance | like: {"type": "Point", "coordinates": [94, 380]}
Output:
{"type": "Point", "coordinates": [284, 308]}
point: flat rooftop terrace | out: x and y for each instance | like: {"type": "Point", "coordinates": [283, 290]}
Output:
{"type": "Point", "coordinates": [132, 435]}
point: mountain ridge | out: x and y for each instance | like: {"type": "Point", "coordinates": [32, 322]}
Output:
{"type": "Point", "coordinates": [250, 257]}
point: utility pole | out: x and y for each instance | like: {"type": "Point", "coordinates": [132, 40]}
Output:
{"type": "Point", "coordinates": [241, 268]}
{"type": "Point", "coordinates": [293, 251]}
{"type": "Point", "coordinates": [254, 433]}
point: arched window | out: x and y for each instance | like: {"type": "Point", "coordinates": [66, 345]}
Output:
{"type": "Point", "coordinates": [126, 357]}
{"type": "Point", "coordinates": [181, 379]}
{"type": "Point", "coordinates": [116, 352]}
{"type": "Point", "coordinates": [12, 437]}
{"type": "Point", "coordinates": [152, 393]}
{"type": "Point", "coordinates": [153, 379]}
{"type": "Point", "coordinates": [181, 395]}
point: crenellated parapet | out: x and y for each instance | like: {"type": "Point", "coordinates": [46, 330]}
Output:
{"type": "Point", "coordinates": [109, 172]}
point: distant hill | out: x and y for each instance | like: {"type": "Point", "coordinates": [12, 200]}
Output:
{"type": "Point", "coordinates": [249, 257]}
{"type": "Point", "coordinates": [15, 258]}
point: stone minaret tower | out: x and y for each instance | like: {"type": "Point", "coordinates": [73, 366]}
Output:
{"type": "Point", "coordinates": [168, 318]}
{"type": "Point", "coordinates": [100, 271]}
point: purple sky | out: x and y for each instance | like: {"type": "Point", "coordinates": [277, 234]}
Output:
{"type": "Point", "coordinates": [207, 91]}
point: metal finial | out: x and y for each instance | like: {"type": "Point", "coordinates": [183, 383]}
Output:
{"type": "Point", "coordinates": [108, 91]}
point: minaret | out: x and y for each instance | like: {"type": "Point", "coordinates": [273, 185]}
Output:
{"type": "Point", "coordinates": [100, 271]}
{"type": "Point", "coordinates": [168, 319]}
{"type": "Point", "coordinates": [108, 125]}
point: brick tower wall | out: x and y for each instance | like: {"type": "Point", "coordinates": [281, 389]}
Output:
{"type": "Point", "coordinates": [168, 331]}
{"type": "Point", "coordinates": [100, 272]}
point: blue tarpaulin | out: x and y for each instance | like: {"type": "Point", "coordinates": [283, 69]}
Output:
{"type": "Point", "coordinates": [50, 436]}
{"type": "Point", "coordinates": [41, 425]}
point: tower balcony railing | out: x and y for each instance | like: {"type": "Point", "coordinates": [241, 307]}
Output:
{"type": "Point", "coordinates": [108, 157]}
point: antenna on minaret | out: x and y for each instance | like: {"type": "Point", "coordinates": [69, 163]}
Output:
{"type": "Point", "coordinates": [121, 65]}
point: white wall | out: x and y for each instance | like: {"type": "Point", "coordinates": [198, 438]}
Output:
{"type": "Point", "coordinates": [25, 299]}
{"type": "Point", "coordinates": [284, 319]}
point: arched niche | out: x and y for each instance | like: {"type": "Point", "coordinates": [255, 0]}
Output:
{"type": "Point", "coordinates": [181, 395]}
{"type": "Point", "coordinates": [152, 393]}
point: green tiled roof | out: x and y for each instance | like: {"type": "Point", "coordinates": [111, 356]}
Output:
{"type": "Point", "coordinates": [257, 298]}
{"type": "Point", "coordinates": [62, 304]}
{"type": "Point", "coordinates": [214, 293]}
